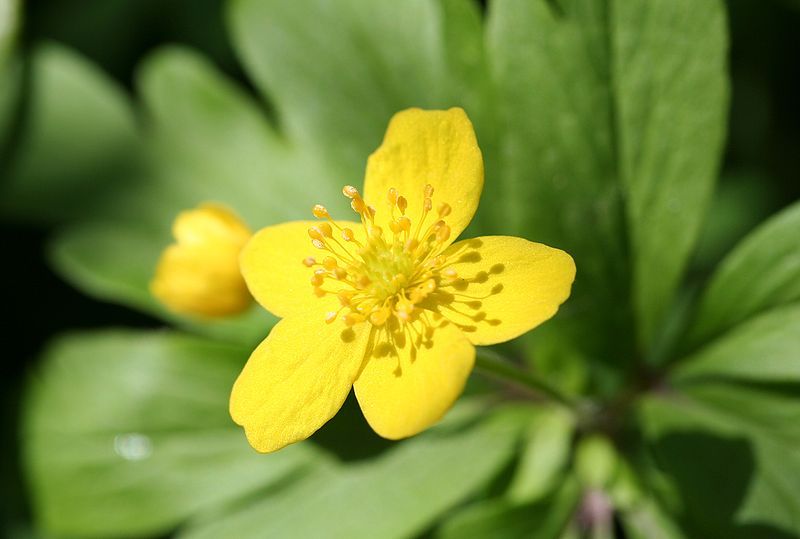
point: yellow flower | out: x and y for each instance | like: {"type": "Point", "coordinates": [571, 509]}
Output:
{"type": "Point", "coordinates": [388, 304]}
{"type": "Point", "coordinates": [199, 274]}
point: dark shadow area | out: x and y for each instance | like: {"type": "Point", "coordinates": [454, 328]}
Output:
{"type": "Point", "coordinates": [349, 436]}
{"type": "Point", "coordinates": [712, 475]}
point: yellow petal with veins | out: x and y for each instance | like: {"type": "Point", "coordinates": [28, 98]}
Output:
{"type": "Point", "coordinates": [272, 266]}
{"type": "Point", "coordinates": [296, 380]}
{"type": "Point", "coordinates": [406, 393]}
{"type": "Point", "coordinates": [433, 147]}
{"type": "Point", "coordinates": [504, 286]}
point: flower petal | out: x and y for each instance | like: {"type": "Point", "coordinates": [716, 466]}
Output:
{"type": "Point", "coordinates": [506, 286]}
{"type": "Point", "coordinates": [272, 266]}
{"type": "Point", "coordinates": [406, 393]}
{"type": "Point", "coordinates": [296, 380]}
{"type": "Point", "coordinates": [428, 147]}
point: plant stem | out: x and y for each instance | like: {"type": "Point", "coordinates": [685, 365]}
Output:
{"type": "Point", "coordinates": [491, 363]}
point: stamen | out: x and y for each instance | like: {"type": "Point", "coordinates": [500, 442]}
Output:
{"type": "Point", "coordinates": [320, 212]}
{"type": "Point", "coordinates": [402, 204]}
{"type": "Point", "coordinates": [383, 277]}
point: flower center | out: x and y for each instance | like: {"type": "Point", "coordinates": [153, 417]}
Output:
{"type": "Point", "coordinates": [377, 274]}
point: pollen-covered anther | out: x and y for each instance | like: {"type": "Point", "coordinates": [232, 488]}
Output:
{"type": "Point", "coordinates": [404, 310]}
{"type": "Point", "coordinates": [309, 261]}
{"type": "Point", "coordinates": [320, 212]}
{"type": "Point", "coordinates": [347, 234]}
{"type": "Point", "coordinates": [317, 279]}
{"type": "Point", "coordinates": [402, 204]}
{"type": "Point", "coordinates": [443, 233]}
{"type": "Point", "coordinates": [330, 316]}
{"type": "Point", "coordinates": [349, 191]}
{"type": "Point", "coordinates": [352, 318]}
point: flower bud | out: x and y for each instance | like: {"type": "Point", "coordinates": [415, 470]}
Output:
{"type": "Point", "coordinates": [199, 274]}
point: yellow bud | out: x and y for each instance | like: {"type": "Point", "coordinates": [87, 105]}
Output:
{"type": "Point", "coordinates": [199, 274]}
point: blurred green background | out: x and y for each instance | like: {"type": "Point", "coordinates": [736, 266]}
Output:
{"type": "Point", "coordinates": [62, 44]}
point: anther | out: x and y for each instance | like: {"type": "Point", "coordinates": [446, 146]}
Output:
{"type": "Point", "coordinates": [358, 205]}
{"type": "Point", "coordinates": [317, 279]}
{"type": "Point", "coordinates": [349, 191]}
{"type": "Point", "coordinates": [315, 233]}
{"type": "Point", "coordinates": [326, 230]}
{"type": "Point", "coordinates": [351, 318]}
{"type": "Point", "coordinates": [318, 244]}
{"type": "Point", "coordinates": [330, 316]}
{"type": "Point", "coordinates": [450, 273]}
{"type": "Point", "coordinates": [443, 233]}
{"type": "Point", "coordinates": [428, 190]}
{"type": "Point", "coordinates": [320, 212]}
{"type": "Point", "coordinates": [427, 204]}
{"type": "Point", "coordinates": [329, 263]}
{"type": "Point", "coordinates": [309, 261]}
{"type": "Point", "coordinates": [402, 204]}
{"type": "Point", "coordinates": [345, 297]}
{"type": "Point", "coordinates": [404, 223]}
{"type": "Point", "coordinates": [347, 234]}
{"type": "Point", "coordinates": [392, 196]}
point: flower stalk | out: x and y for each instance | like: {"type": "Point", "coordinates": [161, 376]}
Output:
{"type": "Point", "coordinates": [493, 364]}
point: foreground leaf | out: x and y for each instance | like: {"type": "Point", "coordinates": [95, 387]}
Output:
{"type": "Point", "coordinates": [398, 494]}
{"type": "Point", "coordinates": [763, 271]}
{"type": "Point", "coordinates": [127, 433]}
{"type": "Point", "coordinates": [586, 122]}
{"type": "Point", "coordinates": [731, 452]}
{"type": "Point", "coordinates": [502, 519]}
{"type": "Point", "coordinates": [766, 348]}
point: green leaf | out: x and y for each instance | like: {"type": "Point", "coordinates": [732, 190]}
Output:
{"type": "Point", "coordinates": [765, 348]}
{"type": "Point", "coordinates": [732, 452]}
{"type": "Point", "coordinates": [587, 122]}
{"type": "Point", "coordinates": [127, 433]}
{"type": "Point", "coordinates": [762, 272]}
{"type": "Point", "coordinates": [9, 24]}
{"type": "Point", "coordinates": [10, 71]}
{"type": "Point", "coordinates": [78, 143]}
{"type": "Point", "coordinates": [647, 520]}
{"type": "Point", "coordinates": [337, 76]}
{"type": "Point", "coordinates": [555, 178]}
{"type": "Point", "coordinates": [544, 456]}
{"type": "Point", "coordinates": [671, 102]}
{"type": "Point", "coordinates": [501, 519]}
{"type": "Point", "coordinates": [116, 263]}
{"type": "Point", "coordinates": [596, 461]}
{"type": "Point", "coordinates": [398, 494]}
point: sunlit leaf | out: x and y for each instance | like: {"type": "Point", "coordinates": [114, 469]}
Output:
{"type": "Point", "coordinates": [544, 455]}
{"type": "Point", "coordinates": [764, 348]}
{"type": "Point", "coordinates": [398, 494]}
{"type": "Point", "coordinates": [127, 433]}
{"type": "Point", "coordinates": [587, 123]}
{"type": "Point", "coordinates": [763, 271]}
{"type": "Point", "coordinates": [501, 519]}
